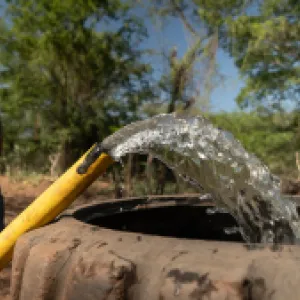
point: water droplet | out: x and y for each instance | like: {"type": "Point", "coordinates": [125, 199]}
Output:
{"type": "Point", "coordinates": [211, 210]}
{"type": "Point", "coordinates": [268, 236]}
{"type": "Point", "coordinates": [215, 209]}
{"type": "Point", "coordinates": [231, 230]}
{"type": "Point", "coordinates": [205, 197]}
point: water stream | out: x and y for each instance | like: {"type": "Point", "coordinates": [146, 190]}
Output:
{"type": "Point", "coordinates": [216, 163]}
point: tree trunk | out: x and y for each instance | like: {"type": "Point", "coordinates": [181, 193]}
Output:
{"type": "Point", "coordinates": [37, 128]}
{"type": "Point", "coordinates": [161, 179]}
{"type": "Point", "coordinates": [149, 175]}
{"type": "Point", "coordinates": [61, 160]}
{"type": "Point", "coordinates": [2, 166]}
{"type": "Point", "coordinates": [128, 174]}
{"type": "Point", "coordinates": [298, 164]}
{"type": "Point", "coordinates": [117, 183]}
{"type": "Point", "coordinates": [1, 138]}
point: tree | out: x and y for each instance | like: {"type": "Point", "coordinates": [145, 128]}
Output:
{"type": "Point", "coordinates": [266, 50]}
{"type": "Point", "coordinates": [176, 84]}
{"type": "Point", "coordinates": [263, 38]}
{"type": "Point", "coordinates": [74, 64]}
{"type": "Point", "coordinates": [2, 166]}
{"type": "Point", "coordinates": [188, 79]}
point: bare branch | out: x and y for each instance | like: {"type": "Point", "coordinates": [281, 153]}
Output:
{"type": "Point", "coordinates": [183, 18]}
{"type": "Point", "coordinates": [180, 72]}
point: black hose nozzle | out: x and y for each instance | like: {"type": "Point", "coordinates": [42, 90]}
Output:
{"type": "Point", "coordinates": [91, 157]}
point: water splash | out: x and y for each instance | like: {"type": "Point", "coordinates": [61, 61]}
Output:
{"type": "Point", "coordinates": [232, 230]}
{"type": "Point", "coordinates": [216, 163]}
{"type": "Point", "coordinates": [215, 210]}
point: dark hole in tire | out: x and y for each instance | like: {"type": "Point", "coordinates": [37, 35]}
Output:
{"type": "Point", "coordinates": [175, 221]}
{"type": "Point", "coordinates": [179, 221]}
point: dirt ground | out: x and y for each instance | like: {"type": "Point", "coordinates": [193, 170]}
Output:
{"type": "Point", "coordinates": [19, 194]}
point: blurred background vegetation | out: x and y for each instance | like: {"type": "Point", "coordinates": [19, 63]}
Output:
{"type": "Point", "coordinates": [72, 72]}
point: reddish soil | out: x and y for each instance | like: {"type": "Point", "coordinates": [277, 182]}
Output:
{"type": "Point", "coordinates": [19, 194]}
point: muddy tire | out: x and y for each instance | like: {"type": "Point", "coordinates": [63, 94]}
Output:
{"type": "Point", "coordinates": [78, 258]}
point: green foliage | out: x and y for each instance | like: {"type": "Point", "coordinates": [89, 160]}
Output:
{"type": "Point", "coordinates": [189, 79]}
{"type": "Point", "coordinates": [71, 73]}
{"type": "Point", "coordinates": [263, 37]}
{"type": "Point", "coordinates": [266, 51]}
{"type": "Point", "coordinates": [272, 138]}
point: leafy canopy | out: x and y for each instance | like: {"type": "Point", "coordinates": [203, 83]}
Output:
{"type": "Point", "coordinates": [70, 70]}
{"type": "Point", "coordinates": [263, 38]}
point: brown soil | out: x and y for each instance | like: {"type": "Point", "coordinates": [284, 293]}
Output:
{"type": "Point", "coordinates": [19, 194]}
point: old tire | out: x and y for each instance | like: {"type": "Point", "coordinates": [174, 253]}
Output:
{"type": "Point", "coordinates": [71, 259]}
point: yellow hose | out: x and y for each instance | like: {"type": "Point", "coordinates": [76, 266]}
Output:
{"type": "Point", "coordinates": [50, 204]}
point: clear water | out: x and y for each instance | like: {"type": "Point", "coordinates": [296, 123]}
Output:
{"type": "Point", "coordinates": [216, 163]}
